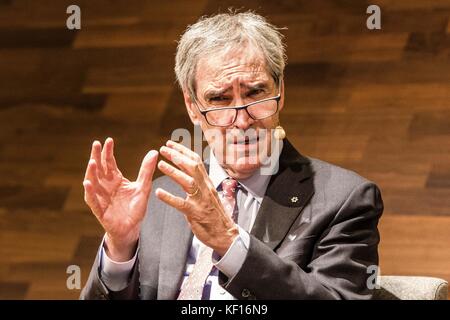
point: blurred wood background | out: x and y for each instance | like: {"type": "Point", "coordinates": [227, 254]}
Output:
{"type": "Point", "coordinates": [377, 102]}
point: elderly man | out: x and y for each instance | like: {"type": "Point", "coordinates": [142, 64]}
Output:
{"type": "Point", "coordinates": [224, 229]}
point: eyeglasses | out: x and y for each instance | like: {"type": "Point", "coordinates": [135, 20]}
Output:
{"type": "Point", "coordinates": [226, 116]}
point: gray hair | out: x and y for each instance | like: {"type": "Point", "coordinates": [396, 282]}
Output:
{"type": "Point", "coordinates": [223, 31]}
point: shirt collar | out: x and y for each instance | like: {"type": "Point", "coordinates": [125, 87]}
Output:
{"type": "Point", "coordinates": [256, 184]}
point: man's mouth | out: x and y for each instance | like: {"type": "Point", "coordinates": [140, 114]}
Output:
{"type": "Point", "coordinates": [244, 140]}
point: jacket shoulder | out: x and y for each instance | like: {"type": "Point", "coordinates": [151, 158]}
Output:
{"type": "Point", "coordinates": [335, 172]}
{"type": "Point", "coordinates": [336, 181]}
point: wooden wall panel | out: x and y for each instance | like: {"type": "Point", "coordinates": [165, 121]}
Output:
{"type": "Point", "coordinates": [377, 102]}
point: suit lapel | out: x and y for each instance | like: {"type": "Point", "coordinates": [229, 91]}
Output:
{"type": "Point", "coordinates": [287, 193]}
{"type": "Point", "coordinates": [176, 242]}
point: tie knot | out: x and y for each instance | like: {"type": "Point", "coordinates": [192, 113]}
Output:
{"type": "Point", "coordinates": [229, 187]}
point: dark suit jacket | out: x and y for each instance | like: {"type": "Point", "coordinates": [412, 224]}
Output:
{"type": "Point", "coordinates": [314, 237]}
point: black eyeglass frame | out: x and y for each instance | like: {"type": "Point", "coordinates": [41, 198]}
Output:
{"type": "Point", "coordinates": [277, 98]}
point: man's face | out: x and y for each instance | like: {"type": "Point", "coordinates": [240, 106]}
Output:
{"type": "Point", "coordinates": [235, 78]}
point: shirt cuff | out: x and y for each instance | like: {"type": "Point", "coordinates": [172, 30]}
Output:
{"type": "Point", "coordinates": [234, 258]}
{"type": "Point", "coordinates": [115, 274]}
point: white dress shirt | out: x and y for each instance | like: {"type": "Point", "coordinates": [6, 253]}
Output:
{"type": "Point", "coordinates": [249, 197]}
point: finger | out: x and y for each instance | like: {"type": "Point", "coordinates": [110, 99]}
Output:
{"type": "Point", "coordinates": [180, 160]}
{"type": "Point", "coordinates": [111, 164]}
{"type": "Point", "coordinates": [183, 149]}
{"type": "Point", "coordinates": [91, 158]}
{"type": "Point", "coordinates": [91, 175]}
{"type": "Point", "coordinates": [184, 180]}
{"type": "Point", "coordinates": [91, 172]}
{"type": "Point", "coordinates": [91, 199]}
{"type": "Point", "coordinates": [106, 146]}
{"type": "Point", "coordinates": [173, 201]}
{"type": "Point", "coordinates": [147, 169]}
{"type": "Point", "coordinates": [96, 155]}
{"type": "Point", "coordinates": [192, 168]}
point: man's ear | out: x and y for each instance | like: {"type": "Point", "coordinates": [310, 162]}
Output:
{"type": "Point", "coordinates": [191, 108]}
{"type": "Point", "coordinates": [281, 104]}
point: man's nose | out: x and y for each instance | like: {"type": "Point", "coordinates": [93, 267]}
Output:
{"type": "Point", "coordinates": [243, 120]}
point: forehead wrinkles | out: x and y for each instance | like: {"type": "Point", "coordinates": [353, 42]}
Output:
{"type": "Point", "coordinates": [224, 67]}
{"type": "Point", "coordinates": [238, 72]}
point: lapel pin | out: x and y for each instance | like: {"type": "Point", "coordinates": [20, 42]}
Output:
{"type": "Point", "coordinates": [294, 199]}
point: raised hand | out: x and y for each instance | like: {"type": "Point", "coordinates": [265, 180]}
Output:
{"type": "Point", "coordinates": [119, 204]}
{"type": "Point", "coordinates": [202, 206]}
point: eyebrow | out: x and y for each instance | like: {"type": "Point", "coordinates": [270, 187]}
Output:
{"type": "Point", "coordinates": [257, 86]}
{"type": "Point", "coordinates": [215, 93]}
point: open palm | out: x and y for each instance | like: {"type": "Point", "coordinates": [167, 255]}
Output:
{"type": "Point", "coordinates": [118, 203]}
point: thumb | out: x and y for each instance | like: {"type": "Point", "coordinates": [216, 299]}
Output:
{"type": "Point", "coordinates": [147, 169]}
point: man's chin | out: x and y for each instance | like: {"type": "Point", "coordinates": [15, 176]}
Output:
{"type": "Point", "coordinates": [245, 167]}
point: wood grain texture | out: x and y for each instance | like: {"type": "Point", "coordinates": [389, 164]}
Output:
{"type": "Point", "coordinates": [377, 102]}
